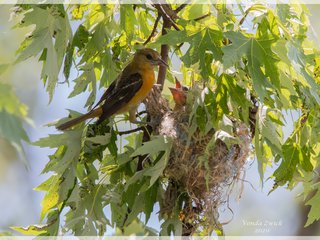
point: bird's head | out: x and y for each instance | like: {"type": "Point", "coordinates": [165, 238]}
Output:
{"type": "Point", "coordinates": [179, 93]}
{"type": "Point", "coordinates": [149, 56]}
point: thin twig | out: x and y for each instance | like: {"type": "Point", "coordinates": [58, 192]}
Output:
{"type": "Point", "coordinates": [251, 185]}
{"type": "Point", "coordinates": [202, 17]}
{"type": "Point", "coordinates": [153, 30]}
{"type": "Point", "coordinates": [131, 131]}
{"type": "Point", "coordinates": [179, 46]}
{"type": "Point", "coordinates": [163, 69]}
{"type": "Point", "coordinates": [182, 6]}
{"type": "Point", "coordinates": [164, 55]}
{"type": "Point", "coordinates": [169, 17]}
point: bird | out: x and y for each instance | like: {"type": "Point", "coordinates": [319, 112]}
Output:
{"type": "Point", "coordinates": [157, 106]}
{"type": "Point", "coordinates": [179, 94]}
{"type": "Point", "coordinates": [126, 93]}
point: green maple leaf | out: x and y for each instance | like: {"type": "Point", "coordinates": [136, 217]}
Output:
{"type": "Point", "coordinates": [80, 39]}
{"type": "Point", "coordinates": [259, 55]}
{"type": "Point", "coordinates": [51, 199]}
{"type": "Point", "coordinates": [86, 79]}
{"type": "Point", "coordinates": [127, 20]}
{"type": "Point", "coordinates": [49, 23]}
{"type": "Point", "coordinates": [10, 103]}
{"type": "Point", "coordinates": [79, 10]}
{"type": "Point", "coordinates": [157, 145]}
{"type": "Point", "coordinates": [293, 155]}
{"type": "Point", "coordinates": [68, 147]}
{"type": "Point", "coordinates": [204, 47]}
{"type": "Point", "coordinates": [299, 62]}
{"type": "Point", "coordinates": [268, 135]}
{"type": "Point", "coordinates": [32, 230]}
{"type": "Point", "coordinates": [12, 116]}
{"type": "Point", "coordinates": [172, 37]}
{"type": "Point", "coordinates": [314, 213]}
{"type": "Point", "coordinates": [228, 90]}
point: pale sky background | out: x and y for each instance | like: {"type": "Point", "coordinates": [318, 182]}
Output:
{"type": "Point", "coordinates": [20, 205]}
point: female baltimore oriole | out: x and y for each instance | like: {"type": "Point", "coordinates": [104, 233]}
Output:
{"type": "Point", "coordinates": [129, 89]}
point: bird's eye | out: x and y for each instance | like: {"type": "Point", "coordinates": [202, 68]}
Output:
{"type": "Point", "coordinates": [184, 88]}
{"type": "Point", "coordinates": [149, 56]}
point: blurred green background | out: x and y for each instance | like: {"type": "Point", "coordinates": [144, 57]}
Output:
{"type": "Point", "coordinates": [256, 213]}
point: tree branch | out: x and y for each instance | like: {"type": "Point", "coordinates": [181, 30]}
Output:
{"type": "Point", "coordinates": [168, 14]}
{"type": "Point", "coordinates": [182, 6]}
{"type": "Point", "coordinates": [131, 130]}
{"type": "Point", "coordinates": [164, 51]}
{"type": "Point", "coordinates": [162, 70]}
{"type": "Point", "coordinates": [202, 17]}
{"type": "Point", "coordinates": [153, 30]}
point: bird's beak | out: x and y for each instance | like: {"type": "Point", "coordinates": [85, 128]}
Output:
{"type": "Point", "coordinates": [161, 62]}
{"type": "Point", "coordinates": [173, 90]}
{"type": "Point", "coordinates": [178, 84]}
{"type": "Point", "coordinates": [179, 96]}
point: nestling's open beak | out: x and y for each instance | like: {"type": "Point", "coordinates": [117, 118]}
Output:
{"type": "Point", "coordinates": [173, 90]}
{"type": "Point", "coordinates": [161, 62]}
{"type": "Point", "coordinates": [178, 84]}
{"type": "Point", "coordinates": [179, 96]}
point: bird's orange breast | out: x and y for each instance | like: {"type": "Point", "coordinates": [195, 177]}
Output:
{"type": "Point", "coordinates": [148, 79]}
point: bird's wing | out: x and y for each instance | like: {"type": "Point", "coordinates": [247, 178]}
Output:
{"type": "Point", "coordinates": [106, 94]}
{"type": "Point", "coordinates": [122, 93]}
{"type": "Point", "coordinates": [121, 80]}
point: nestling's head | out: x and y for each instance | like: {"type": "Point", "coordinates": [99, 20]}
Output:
{"type": "Point", "coordinates": [149, 56]}
{"type": "Point", "coordinates": [179, 93]}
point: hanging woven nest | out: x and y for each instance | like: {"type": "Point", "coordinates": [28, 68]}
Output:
{"type": "Point", "coordinates": [201, 168]}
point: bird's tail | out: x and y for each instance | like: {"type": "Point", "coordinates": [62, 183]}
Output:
{"type": "Point", "coordinates": [92, 114]}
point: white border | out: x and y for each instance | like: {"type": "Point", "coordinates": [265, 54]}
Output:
{"type": "Point", "coordinates": [249, 2]}
{"type": "Point", "coordinates": [161, 238]}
